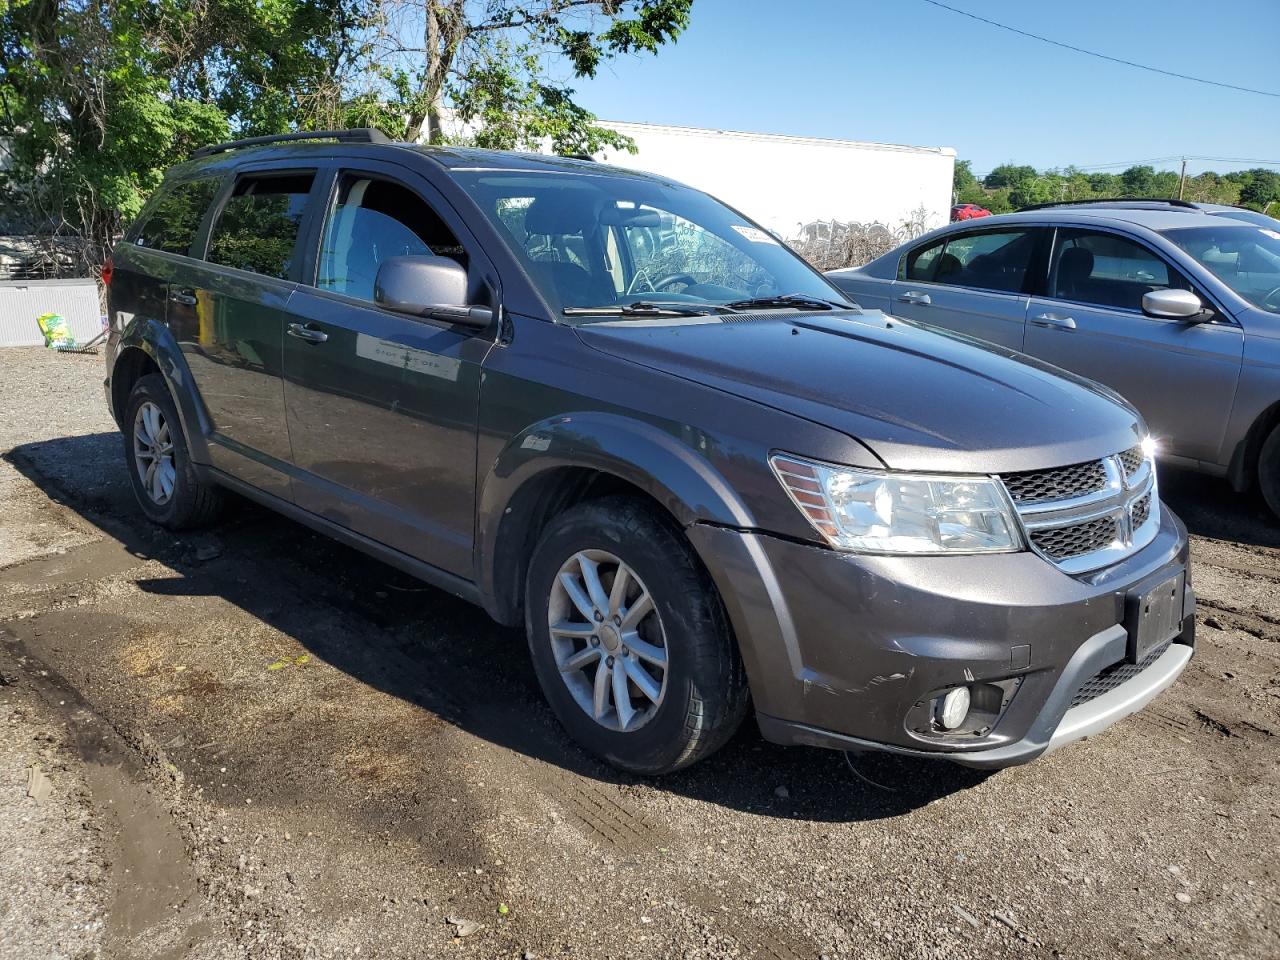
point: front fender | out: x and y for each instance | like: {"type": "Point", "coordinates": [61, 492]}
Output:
{"type": "Point", "coordinates": [157, 341]}
{"type": "Point", "coordinates": [669, 468]}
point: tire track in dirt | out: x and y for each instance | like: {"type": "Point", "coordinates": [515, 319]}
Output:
{"type": "Point", "coordinates": [608, 821]}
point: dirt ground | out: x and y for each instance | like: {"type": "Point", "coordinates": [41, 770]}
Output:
{"type": "Point", "coordinates": [261, 744]}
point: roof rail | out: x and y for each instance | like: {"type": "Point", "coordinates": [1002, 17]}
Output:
{"type": "Point", "coordinates": [355, 135]}
{"type": "Point", "coordinates": [1103, 201]}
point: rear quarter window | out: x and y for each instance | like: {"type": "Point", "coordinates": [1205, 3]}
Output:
{"type": "Point", "coordinates": [174, 220]}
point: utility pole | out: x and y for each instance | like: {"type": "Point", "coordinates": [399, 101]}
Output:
{"type": "Point", "coordinates": [1182, 180]}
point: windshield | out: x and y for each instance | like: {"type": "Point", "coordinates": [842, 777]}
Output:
{"type": "Point", "coordinates": [596, 240]}
{"type": "Point", "coordinates": [1249, 216]}
{"type": "Point", "coordinates": [1246, 259]}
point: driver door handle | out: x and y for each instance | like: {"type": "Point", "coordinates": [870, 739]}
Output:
{"type": "Point", "coordinates": [1053, 320]}
{"type": "Point", "coordinates": [307, 333]}
{"type": "Point", "coordinates": [914, 296]}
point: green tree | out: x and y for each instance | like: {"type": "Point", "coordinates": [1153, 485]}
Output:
{"type": "Point", "coordinates": [1138, 181]}
{"type": "Point", "coordinates": [1007, 175]}
{"type": "Point", "coordinates": [496, 64]}
{"type": "Point", "coordinates": [965, 187]}
{"type": "Point", "coordinates": [97, 97]}
{"type": "Point", "coordinates": [1261, 189]}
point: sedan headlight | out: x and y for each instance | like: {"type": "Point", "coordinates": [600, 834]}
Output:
{"type": "Point", "coordinates": [871, 511]}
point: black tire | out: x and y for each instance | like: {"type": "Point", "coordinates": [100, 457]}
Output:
{"type": "Point", "coordinates": [192, 502]}
{"type": "Point", "coordinates": [706, 694]}
{"type": "Point", "coordinates": [1269, 471]}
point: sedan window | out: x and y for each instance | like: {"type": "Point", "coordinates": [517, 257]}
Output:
{"type": "Point", "coordinates": [986, 260]}
{"type": "Point", "coordinates": [1107, 270]}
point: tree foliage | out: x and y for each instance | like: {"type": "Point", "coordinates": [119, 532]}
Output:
{"type": "Point", "coordinates": [1012, 186]}
{"type": "Point", "coordinates": [98, 97]}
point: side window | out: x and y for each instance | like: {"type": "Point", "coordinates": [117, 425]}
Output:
{"type": "Point", "coordinates": [988, 260]}
{"type": "Point", "coordinates": [1106, 270]}
{"type": "Point", "coordinates": [372, 220]}
{"type": "Point", "coordinates": [257, 229]}
{"type": "Point", "coordinates": [174, 220]}
{"type": "Point", "coordinates": [922, 261]}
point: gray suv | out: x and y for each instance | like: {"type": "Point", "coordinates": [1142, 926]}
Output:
{"type": "Point", "coordinates": [1176, 305]}
{"type": "Point", "coordinates": [609, 408]}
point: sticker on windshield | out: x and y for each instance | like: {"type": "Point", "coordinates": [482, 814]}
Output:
{"type": "Point", "coordinates": [755, 234]}
{"type": "Point", "coordinates": [1270, 233]}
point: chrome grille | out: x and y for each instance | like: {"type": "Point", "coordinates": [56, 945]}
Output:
{"type": "Point", "coordinates": [1140, 510]}
{"type": "Point", "coordinates": [1131, 460]}
{"type": "Point", "coordinates": [1107, 679]}
{"type": "Point", "coordinates": [1089, 515]}
{"type": "Point", "coordinates": [1062, 543]}
{"type": "Point", "coordinates": [1038, 486]}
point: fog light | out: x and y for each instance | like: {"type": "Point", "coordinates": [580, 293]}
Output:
{"type": "Point", "coordinates": [955, 707]}
{"type": "Point", "coordinates": [1150, 447]}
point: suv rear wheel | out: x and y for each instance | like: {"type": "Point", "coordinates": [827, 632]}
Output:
{"type": "Point", "coordinates": [164, 481]}
{"type": "Point", "coordinates": [630, 640]}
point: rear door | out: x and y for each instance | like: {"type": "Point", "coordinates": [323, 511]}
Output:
{"type": "Point", "coordinates": [230, 313]}
{"type": "Point", "coordinates": [1181, 376]}
{"type": "Point", "coordinates": [382, 407]}
{"type": "Point", "coordinates": [158, 248]}
{"type": "Point", "coordinates": [976, 282]}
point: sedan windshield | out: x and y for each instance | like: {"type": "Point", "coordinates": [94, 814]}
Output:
{"type": "Point", "coordinates": [1246, 259]}
{"type": "Point", "coordinates": [596, 240]}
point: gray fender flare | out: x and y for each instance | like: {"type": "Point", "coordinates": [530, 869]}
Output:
{"type": "Point", "coordinates": [667, 468]}
{"type": "Point", "coordinates": [157, 341]}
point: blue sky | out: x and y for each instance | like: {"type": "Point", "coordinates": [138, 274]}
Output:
{"type": "Point", "coordinates": [902, 71]}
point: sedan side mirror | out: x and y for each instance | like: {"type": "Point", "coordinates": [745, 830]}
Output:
{"type": "Point", "coordinates": [428, 286]}
{"type": "Point", "coordinates": [1173, 304]}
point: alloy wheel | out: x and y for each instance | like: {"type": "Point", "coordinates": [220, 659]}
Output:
{"type": "Point", "coordinates": [608, 640]}
{"type": "Point", "coordinates": [153, 452]}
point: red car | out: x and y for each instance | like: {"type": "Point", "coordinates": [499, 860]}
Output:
{"type": "Point", "coordinates": [968, 211]}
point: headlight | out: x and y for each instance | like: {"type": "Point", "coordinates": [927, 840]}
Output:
{"type": "Point", "coordinates": [870, 511]}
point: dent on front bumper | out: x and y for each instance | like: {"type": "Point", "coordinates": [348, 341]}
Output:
{"type": "Point", "coordinates": [839, 648]}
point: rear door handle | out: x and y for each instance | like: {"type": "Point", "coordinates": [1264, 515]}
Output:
{"type": "Point", "coordinates": [1053, 320]}
{"type": "Point", "coordinates": [913, 296]}
{"type": "Point", "coordinates": [307, 332]}
{"type": "Point", "coordinates": [185, 297]}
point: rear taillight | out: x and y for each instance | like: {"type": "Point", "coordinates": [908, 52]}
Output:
{"type": "Point", "coordinates": [107, 270]}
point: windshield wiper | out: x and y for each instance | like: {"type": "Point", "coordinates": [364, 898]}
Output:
{"type": "Point", "coordinates": [796, 301]}
{"type": "Point", "coordinates": [642, 308]}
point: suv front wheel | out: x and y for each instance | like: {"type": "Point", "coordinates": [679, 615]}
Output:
{"type": "Point", "coordinates": [164, 481]}
{"type": "Point", "coordinates": [630, 640]}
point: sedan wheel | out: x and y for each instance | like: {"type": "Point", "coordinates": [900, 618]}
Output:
{"type": "Point", "coordinates": [607, 640]}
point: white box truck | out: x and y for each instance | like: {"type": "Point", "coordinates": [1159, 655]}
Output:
{"type": "Point", "coordinates": [794, 185]}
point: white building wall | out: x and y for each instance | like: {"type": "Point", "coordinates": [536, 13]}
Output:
{"type": "Point", "coordinates": [787, 182]}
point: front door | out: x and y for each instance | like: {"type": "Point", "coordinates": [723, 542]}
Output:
{"type": "Point", "coordinates": [382, 407]}
{"type": "Point", "coordinates": [974, 282]}
{"type": "Point", "coordinates": [1181, 376]}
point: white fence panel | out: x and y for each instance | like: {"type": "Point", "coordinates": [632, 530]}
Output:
{"type": "Point", "coordinates": [21, 301]}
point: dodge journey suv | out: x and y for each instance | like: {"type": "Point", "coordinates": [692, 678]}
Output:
{"type": "Point", "coordinates": [613, 409]}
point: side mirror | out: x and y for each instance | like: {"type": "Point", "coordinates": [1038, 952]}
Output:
{"type": "Point", "coordinates": [1173, 305]}
{"type": "Point", "coordinates": [428, 286]}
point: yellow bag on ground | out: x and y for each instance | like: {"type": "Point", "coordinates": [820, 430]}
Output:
{"type": "Point", "coordinates": [55, 330]}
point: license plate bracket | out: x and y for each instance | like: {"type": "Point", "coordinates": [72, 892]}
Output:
{"type": "Point", "coordinates": [1153, 615]}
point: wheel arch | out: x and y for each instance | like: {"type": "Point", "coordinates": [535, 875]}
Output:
{"type": "Point", "coordinates": [555, 464]}
{"type": "Point", "coordinates": [147, 346]}
{"type": "Point", "coordinates": [1243, 470]}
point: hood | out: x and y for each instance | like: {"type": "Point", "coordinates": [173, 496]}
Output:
{"type": "Point", "coordinates": [919, 398]}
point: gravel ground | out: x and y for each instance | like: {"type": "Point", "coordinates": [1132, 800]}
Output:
{"type": "Point", "coordinates": [261, 744]}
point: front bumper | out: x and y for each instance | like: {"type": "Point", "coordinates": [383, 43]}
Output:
{"type": "Point", "coordinates": [843, 650]}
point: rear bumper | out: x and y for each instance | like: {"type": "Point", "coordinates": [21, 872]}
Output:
{"type": "Point", "coordinates": [845, 651]}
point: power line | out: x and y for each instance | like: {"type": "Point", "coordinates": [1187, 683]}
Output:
{"type": "Point", "coordinates": [1101, 56]}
